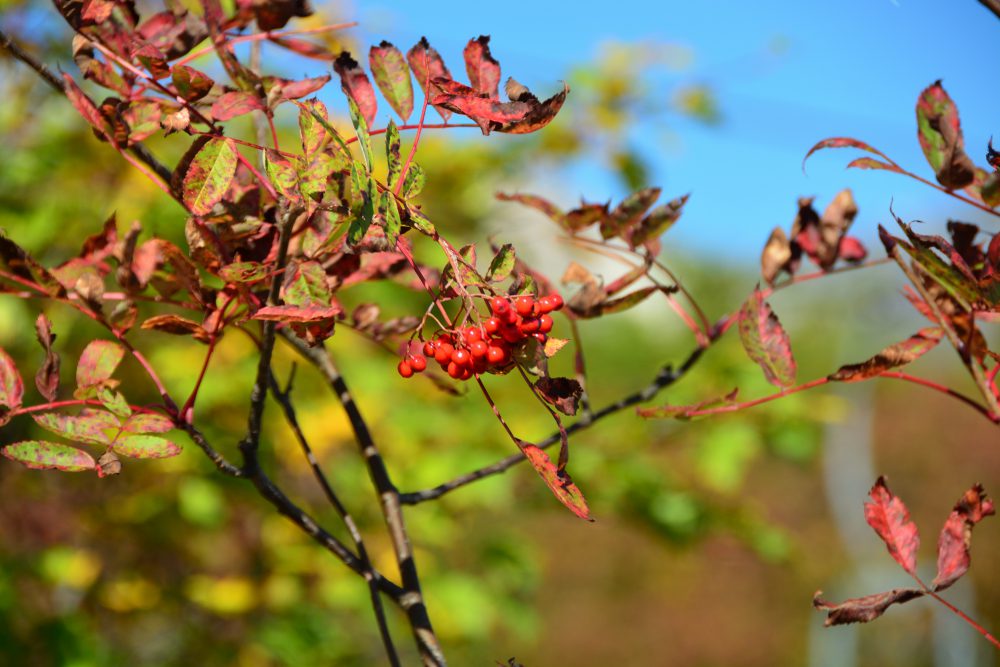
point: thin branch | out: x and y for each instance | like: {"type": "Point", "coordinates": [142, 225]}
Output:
{"type": "Point", "coordinates": [213, 454]}
{"type": "Point", "coordinates": [47, 75]}
{"type": "Point", "coordinates": [284, 399]}
{"type": "Point", "coordinates": [664, 378]}
{"type": "Point", "coordinates": [412, 601]}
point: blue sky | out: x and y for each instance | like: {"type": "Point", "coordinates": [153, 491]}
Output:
{"type": "Point", "coordinates": [852, 67]}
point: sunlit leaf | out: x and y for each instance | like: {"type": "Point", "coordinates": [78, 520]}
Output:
{"type": "Point", "coordinates": [956, 536]}
{"type": "Point", "coordinates": [890, 519]}
{"type": "Point", "coordinates": [42, 455]}
{"type": "Point", "coordinates": [897, 354]}
{"type": "Point", "coordinates": [209, 175]}
{"type": "Point", "coordinates": [558, 481]}
{"type": "Point", "coordinates": [765, 341]}
{"type": "Point", "coordinates": [98, 362]}
{"type": "Point", "coordinates": [141, 446]}
{"type": "Point", "coordinates": [392, 77]}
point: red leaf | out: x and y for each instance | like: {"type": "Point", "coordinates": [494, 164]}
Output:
{"type": "Point", "coordinates": [540, 114]}
{"type": "Point", "coordinates": [47, 377]}
{"type": "Point", "coordinates": [41, 455]}
{"type": "Point", "coordinates": [11, 387]}
{"type": "Point", "coordinates": [98, 362]}
{"type": "Point", "coordinates": [559, 482]}
{"type": "Point", "coordinates": [297, 314]}
{"type": "Point", "coordinates": [191, 84]}
{"type": "Point", "coordinates": [87, 108]}
{"type": "Point", "coordinates": [23, 265]}
{"type": "Point", "coordinates": [209, 175]}
{"type": "Point", "coordinates": [956, 536]}
{"type": "Point", "coordinates": [890, 519]}
{"type": "Point", "coordinates": [765, 341]}
{"type": "Point", "coordinates": [872, 163]}
{"type": "Point", "coordinates": [482, 68]}
{"type": "Point", "coordinates": [237, 103]}
{"type": "Point", "coordinates": [427, 65]}
{"type": "Point", "coordinates": [897, 354]}
{"type": "Point", "coordinates": [862, 610]}
{"type": "Point", "coordinates": [940, 134]}
{"type": "Point", "coordinates": [148, 422]}
{"type": "Point", "coordinates": [488, 113]}
{"type": "Point", "coordinates": [293, 90]}
{"type": "Point", "coordinates": [355, 83]}
{"type": "Point", "coordinates": [842, 142]}
{"type": "Point", "coordinates": [392, 77]}
{"type": "Point", "coordinates": [304, 48]}
{"type": "Point", "coordinates": [852, 250]}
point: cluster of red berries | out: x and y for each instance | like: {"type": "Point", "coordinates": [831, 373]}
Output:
{"type": "Point", "coordinates": [489, 345]}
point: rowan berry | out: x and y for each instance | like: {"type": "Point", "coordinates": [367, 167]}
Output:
{"type": "Point", "coordinates": [418, 363]}
{"type": "Point", "coordinates": [461, 357]}
{"type": "Point", "coordinates": [540, 337]}
{"type": "Point", "coordinates": [545, 323]}
{"type": "Point", "coordinates": [429, 348]}
{"type": "Point", "coordinates": [556, 300]}
{"type": "Point", "coordinates": [443, 352]}
{"type": "Point", "coordinates": [499, 305]}
{"type": "Point", "coordinates": [479, 348]}
{"type": "Point", "coordinates": [524, 305]}
{"type": "Point", "coordinates": [545, 304]}
{"type": "Point", "coordinates": [472, 334]}
{"type": "Point", "coordinates": [496, 354]}
{"type": "Point", "coordinates": [530, 325]}
{"type": "Point", "coordinates": [454, 370]}
{"type": "Point", "coordinates": [492, 325]}
{"type": "Point", "coordinates": [404, 369]}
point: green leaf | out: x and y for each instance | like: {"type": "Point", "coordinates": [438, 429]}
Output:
{"type": "Point", "coordinates": [314, 172]}
{"type": "Point", "coordinates": [98, 362]}
{"type": "Point", "coordinates": [391, 214]}
{"type": "Point", "coordinates": [95, 427]}
{"type": "Point", "coordinates": [361, 129]}
{"type": "Point", "coordinates": [42, 455]}
{"type": "Point", "coordinates": [306, 285]}
{"type": "Point", "coordinates": [366, 212]}
{"type": "Point", "coordinates": [392, 157]}
{"type": "Point", "coordinates": [414, 182]}
{"type": "Point", "coordinates": [243, 272]}
{"type": "Point", "coordinates": [502, 264]}
{"type": "Point", "coordinates": [558, 481]}
{"type": "Point", "coordinates": [114, 402]}
{"type": "Point", "coordinates": [312, 133]}
{"type": "Point", "coordinates": [766, 342]}
{"type": "Point", "coordinates": [209, 175]}
{"type": "Point", "coordinates": [148, 422]}
{"type": "Point", "coordinates": [392, 75]}
{"type": "Point", "coordinates": [146, 447]}
{"type": "Point", "coordinates": [282, 174]}
{"type": "Point", "coordinates": [940, 134]}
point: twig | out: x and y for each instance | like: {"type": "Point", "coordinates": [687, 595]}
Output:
{"type": "Point", "coordinates": [412, 600]}
{"type": "Point", "coordinates": [664, 378]}
{"type": "Point", "coordinates": [284, 399]}
{"type": "Point", "coordinates": [992, 5]}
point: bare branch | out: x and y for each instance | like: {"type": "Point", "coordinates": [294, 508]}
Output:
{"type": "Point", "coordinates": [285, 401]}
{"type": "Point", "coordinates": [389, 499]}
{"type": "Point", "coordinates": [992, 5]}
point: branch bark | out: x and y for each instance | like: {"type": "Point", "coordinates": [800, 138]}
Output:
{"type": "Point", "coordinates": [992, 5]}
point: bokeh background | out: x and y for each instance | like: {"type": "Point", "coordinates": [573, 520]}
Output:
{"type": "Point", "coordinates": [711, 535]}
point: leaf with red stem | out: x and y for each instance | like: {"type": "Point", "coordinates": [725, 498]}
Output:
{"type": "Point", "coordinates": [98, 362]}
{"type": "Point", "coordinates": [897, 354]}
{"type": "Point", "coordinates": [177, 326]}
{"type": "Point", "coordinates": [209, 175]}
{"type": "Point", "coordinates": [47, 377]}
{"type": "Point", "coordinates": [482, 67]}
{"type": "Point", "coordinates": [143, 446]}
{"type": "Point", "coordinates": [18, 262]}
{"type": "Point", "coordinates": [852, 250]}
{"type": "Point", "coordinates": [304, 48]}
{"type": "Point", "coordinates": [392, 76]}
{"type": "Point", "coordinates": [940, 134]}
{"type": "Point", "coordinates": [233, 104]}
{"type": "Point", "coordinates": [889, 518]}
{"type": "Point", "coordinates": [427, 65]}
{"type": "Point", "coordinates": [282, 174]}
{"type": "Point", "coordinates": [956, 536]}
{"type": "Point", "coordinates": [95, 427]}
{"type": "Point", "coordinates": [11, 387]}
{"type": "Point", "coordinates": [561, 393]}
{"type": "Point", "coordinates": [872, 163]}
{"type": "Point", "coordinates": [539, 113]}
{"type": "Point", "coordinates": [293, 90]}
{"type": "Point", "coordinates": [766, 341]}
{"type": "Point", "coordinates": [356, 84]}
{"type": "Point", "coordinates": [559, 482]}
{"type": "Point", "coordinates": [863, 609]}
{"type": "Point", "coordinates": [297, 313]}
{"type": "Point", "coordinates": [489, 113]}
{"type": "Point", "coordinates": [191, 84]}
{"type": "Point", "coordinates": [42, 455]}
{"type": "Point", "coordinates": [86, 108]}
{"type": "Point", "coordinates": [686, 412]}
{"type": "Point", "coordinates": [148, 422]}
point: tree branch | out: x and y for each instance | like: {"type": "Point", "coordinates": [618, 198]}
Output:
{"type": "Point", "coordinates": [138, 149]}
{"type": "Point", "coordinates": [412, 601]}
{"type": "Point", "coordinates": [992, 5]}
{"type": "Point", "coordinates": [666, 377]}
{"type": "Point", "coordinates": [284, 399]}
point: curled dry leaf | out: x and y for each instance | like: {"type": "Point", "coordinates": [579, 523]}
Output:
{"type": "Point", "coordinates": [956, 536]}
{"type": "Point", "coordinates": [356, 84]}
{"type": "Point", "coordinates": [776, 255]}
{"type": "Point", "coordinates": [47, 377]}
{"type": "Point", "coordinates": [766, 341]}
{"type": "Point", "coordinates": [561, 393]}
{"type": "Point", "coordinates": [864, 609]}
{"type": "Point", "coordinates": [897, 354]}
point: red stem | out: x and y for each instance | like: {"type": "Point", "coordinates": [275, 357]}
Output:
{"type": "Point", "coordinates": [265, 35]}
{"type": "Point", "coordinates": [416, 141]}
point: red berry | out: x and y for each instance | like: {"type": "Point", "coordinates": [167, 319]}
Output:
{"type": "Point", "coordinates": [479, 365]}
{"type": "Point", "coordinates": [545, 305]}
{"type": "Point", "coordinates": [540, 337]}
{"type": "Point", "coordinates": [479, 348]}
{"type": "Point", "coordinates": [429, 348]}
{"type": "Point", "coordinates": [524, 305]}
{"type": "Point", "coordinates": [404, 369]}
{"type": "Point", "coordinates": [545, 323]}
{"type": "Point", "coordinates": [499, 305]}
{"type": "Point", "coordinates": [454, 370]}
{"type": "Point", "coordinates": [443, 352]}
{"type": "Point", "coordinates": [472, 334]}
{"type": "Point", "coordinates": [461, 357]}
{"type": "Point", "coordinates": [556, 301]}
{"type": "Point", "coordinates": [496, 354]}
{"type": "Point", "coordinates": [492, 325]}
{"type": "Point", "coordinates": [418, 363]}
{"type": "Point", "coordinates": [530, 325]}
{"type": "Point", "coordinates": [466, 373]}
{"type": "Point", "coordinates": [511, 334]}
